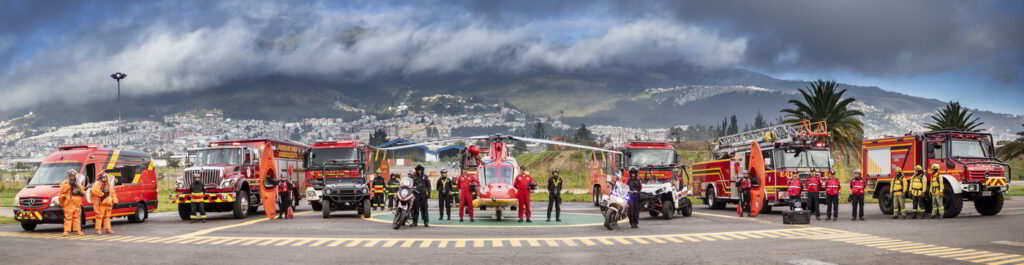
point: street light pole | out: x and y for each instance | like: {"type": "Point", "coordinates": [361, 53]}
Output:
{"type": "Point", "coordinates": [117, 77]}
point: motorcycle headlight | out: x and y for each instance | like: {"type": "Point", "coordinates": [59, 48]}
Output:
{"type": "Point", "coordinates": [365, 190]}
{"type": "Point", "coordinates": [403, 193]}
{"type": "Point", "coordinates": [55, 201]}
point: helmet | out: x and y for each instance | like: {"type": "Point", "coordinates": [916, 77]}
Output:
{"type": "Point", "coordinates": [444, 171]}
{"type": "Point", "coordinates": [632, 171]}
{"type": "Point", "coordinates": [378, 171]}
{"type": "Point", "coordinates": [935, 167]}
{"type": "Point", "coordinates": [918, 168]}
{"type": "Point", "coordinates": [522, 167]}
{"type": "Point", "coordinates": [419, 168]}
{"type": "Point", "coordinates": [554, 171]}
{"type": "Point", "coordinates": [72, 172]}
{"type": "Point", "coordinates": [473, 150]}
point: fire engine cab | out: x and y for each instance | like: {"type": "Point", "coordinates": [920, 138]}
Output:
{"type": "Point", "coordinates": [231, 172]}
{"type": "Point", "coordinates": [789, 150]}
{"type": "Point", "coordinates": [967, 165]}
{"type": "Point", "coordinates": [335, 162]}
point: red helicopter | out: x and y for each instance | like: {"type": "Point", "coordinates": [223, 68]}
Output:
{"type": "Point", "coordinates": [496, 170]}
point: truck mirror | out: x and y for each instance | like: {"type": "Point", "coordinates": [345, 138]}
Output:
{"type": "Point", "coordinates": [949, 164]}
{"type": "Point", "coordinates": [675, 157]}
{"type": "Point", "coordinates": [188, 164]}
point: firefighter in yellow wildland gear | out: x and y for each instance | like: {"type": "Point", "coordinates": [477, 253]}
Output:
{"type": "Point", "coordinates": [379, 192]}
{"type": "Point", "coordinates": [917, 190]}
{"type": "Point", "coordinates": [896, 188]}
{"type": "Point", "coordinates": [936, 188]}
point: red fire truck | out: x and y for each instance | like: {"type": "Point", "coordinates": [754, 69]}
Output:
{"type": "Point", "coordinates": [231, 172]}
{"type": "Point", "coordinates": [788, 149]}
{"type": "Point", "coordinates": [658, 167]}
{"type": "Point", "coordinates": [134, 180]}
{"type": "Point", "coordinates": [966, 161]}
{"type": "Point", "coordinates": [330, 162]}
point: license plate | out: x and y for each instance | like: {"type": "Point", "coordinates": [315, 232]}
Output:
{"type": "Point", "coordinates": [986, 193]}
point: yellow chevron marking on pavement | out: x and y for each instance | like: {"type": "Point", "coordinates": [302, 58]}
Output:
{"type": "Point", "coordinates": [910, 247]}
{"type": "Point", "coordinates": [199, 239]}
{"type": "Point", "coordinates": [995, 258]}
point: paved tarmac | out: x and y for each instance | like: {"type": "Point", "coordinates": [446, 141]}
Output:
{"type": "Point", "coordinates": [707, 237]}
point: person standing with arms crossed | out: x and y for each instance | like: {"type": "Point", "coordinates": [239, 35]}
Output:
{"type": "Point", "coordinates": [555, 195]}
{"type": "Point", "coordinates": [917, 190]}
{"type": "Point", "coordinates": [392, 188]}
{"type": "Point", "coordinates": [524, 184]}
{"type": "Point", "coordinates": [421, 186]}
{"type": "Point", "coordinates": [832, 187]}
{"type": "Point", "coordinates": [444, 192]}
{"type": "Point", "coordinates": [857, 185]}
{"type": "Point", "coordinates": [897, 187]}
{"type": "Point", "coordinates": [936, 188]}
{"type": "Point", "coordinates": [198, 199]}
{"type": "Point", "coordinates": [634, 197]}
{"type": "Point", "coordinates": [103, 191]}
{"type": "Point", "coordinates": [71, 196]}
{"type": "Point", "coordinates": [813, 187]}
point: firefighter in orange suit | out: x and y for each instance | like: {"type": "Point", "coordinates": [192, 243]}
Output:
{"type": "Point", "coordinates": [103, 205]}
{"type": "Point", "coordinates": [71, 192]}
{"type": "Point", "coordinates": [524, 184]}
{"type": "Point", "coordinates": [268, 195]}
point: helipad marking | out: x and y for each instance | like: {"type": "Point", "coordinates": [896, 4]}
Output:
{"type": "Point", "coordinates": [389, 243]}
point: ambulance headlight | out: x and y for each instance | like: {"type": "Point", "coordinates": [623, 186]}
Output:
{"type": "Point", "coordinates": [55, 201]}
{"type": "Point", "coordinates": [17, 200]}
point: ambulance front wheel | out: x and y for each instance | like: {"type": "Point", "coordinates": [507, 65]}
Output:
{"type": "Point", "coordinates": [28, 226]}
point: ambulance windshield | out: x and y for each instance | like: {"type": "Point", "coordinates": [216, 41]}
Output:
{"type": "Point", "coordinates": [52, 174]}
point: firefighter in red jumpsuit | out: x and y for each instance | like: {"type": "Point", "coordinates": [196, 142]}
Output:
{"type": "Point", "coordinates": [468, 183]}
{"type": "Point", "coordinates": [524, 184]}
{"type": "Point", "coordinates": [794, 190]}
{"type": "Point", "coordinates": [813, 186]}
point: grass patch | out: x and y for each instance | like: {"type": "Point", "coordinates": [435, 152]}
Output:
{"type": "Point", "coordinates": [166, 188]}
{"type": "Point", "coordinates": [7, 198]}
{"type": "Point", "coordinates": [7, 220]}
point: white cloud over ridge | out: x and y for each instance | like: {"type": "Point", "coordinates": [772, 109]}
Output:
{"type": "Point", "coordinates": [162, 53]}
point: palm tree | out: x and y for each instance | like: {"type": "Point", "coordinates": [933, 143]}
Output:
{"type": "Point", "coordinates": [953, 117]}
{"type": "Point", "coordinates": [823, 101]}
{"type": "Point", "coordinates": [1013, 149]}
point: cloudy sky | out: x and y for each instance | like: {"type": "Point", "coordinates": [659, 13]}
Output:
{"type": "Point", "coordinates": [971, 51]}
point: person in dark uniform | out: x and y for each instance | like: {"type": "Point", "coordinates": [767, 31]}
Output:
{"type": "Point", "coordinates": [421, 186]}
{"type": "Point", "coordinates": [555, 195]}
{"type": "Point", "coordinates": [444, 192]}
{"type": "Point", "coordinates": [379, 191]}
{"type": "Point", "coordinates": [197, 199]}
{"type": "Point", "coordinates": [392, 188]}
{"type": "Point", "coordinates": [634, 197]}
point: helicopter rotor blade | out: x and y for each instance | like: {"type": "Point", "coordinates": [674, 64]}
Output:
{"type": "Point", "coordinates": [542, 141]}
{"type": "Point", "coordinates": [398, 147]}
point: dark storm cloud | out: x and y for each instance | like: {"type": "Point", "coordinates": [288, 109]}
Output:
{"type": "Point", "coordinates": [183, 45]}
{"type": "Point", "coordinates": [870, 37]}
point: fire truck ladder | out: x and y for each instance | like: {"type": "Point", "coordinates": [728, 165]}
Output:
{"type": "Point", "coordinates": [783, 133]}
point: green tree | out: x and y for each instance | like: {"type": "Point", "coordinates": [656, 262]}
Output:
{"type": "Point", "coordinates": [823, 101]}
{"type": "Point", "coordinates": [759, 121]}
{"type": "Point", "coordinates": [676, 134]}
{"type": "Point", "coordinates": [953, 117]}
{"type": "Point", "coordinates": [538, 131]}
{"type": "Point", "coordinates": [1013, 149]}
{"type": "Point", "coordinates": [584, 136]}
{"type": "Point", "coordinates": [733, 127]}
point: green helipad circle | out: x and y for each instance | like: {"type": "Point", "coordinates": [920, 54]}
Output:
{"type": "Point", "coordinates": [488, 219]}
